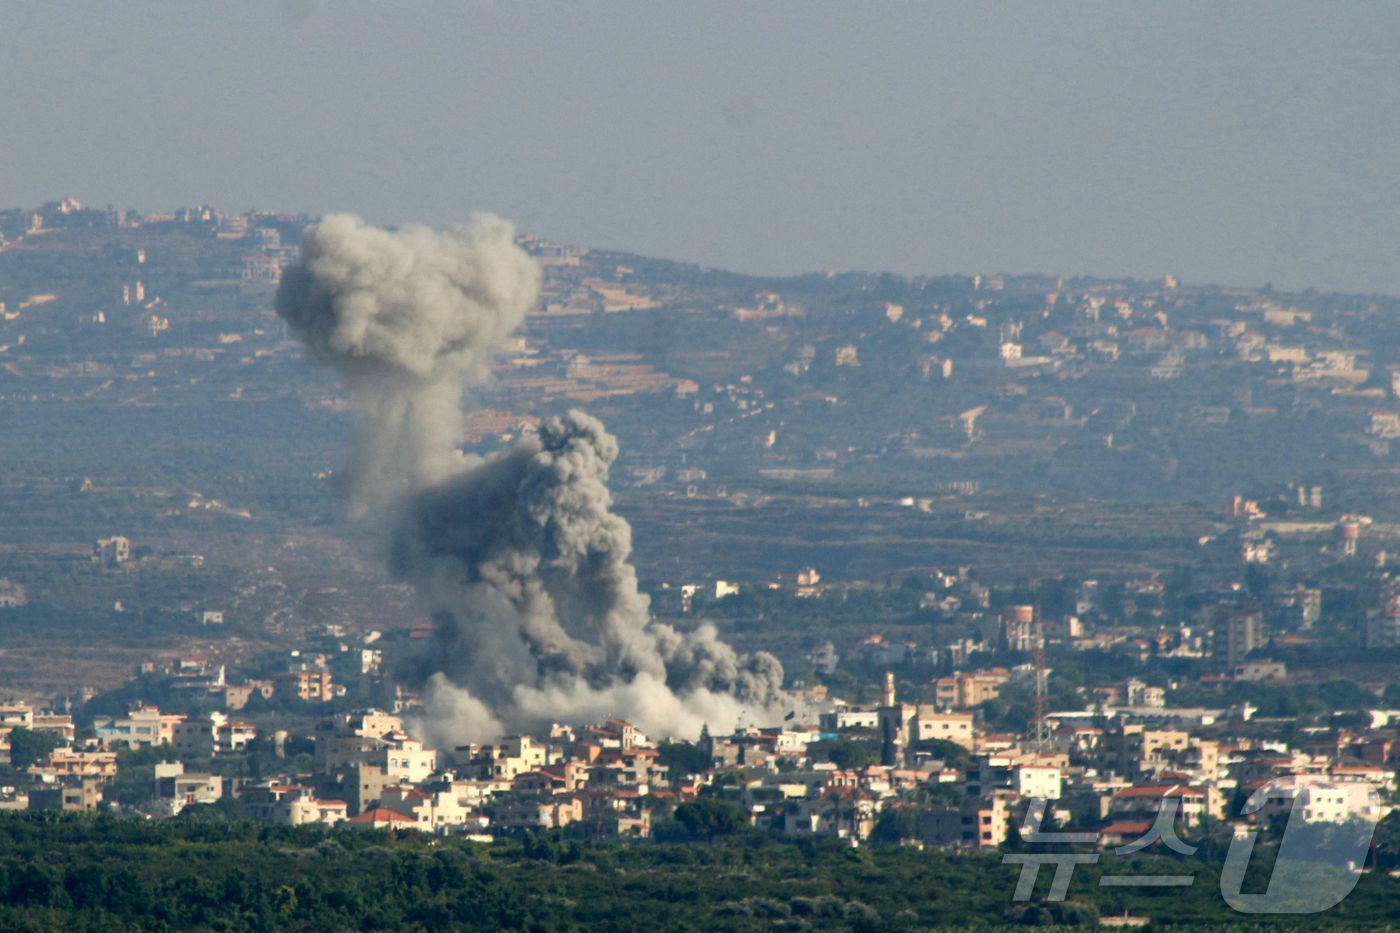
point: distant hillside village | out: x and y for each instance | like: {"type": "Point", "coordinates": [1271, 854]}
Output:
{"type": "Point", "coordinates": [1122, 546]}
{"type": "Point", "coordinates": [939, 773]}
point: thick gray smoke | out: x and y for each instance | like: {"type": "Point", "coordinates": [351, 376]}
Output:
{"type": "Point", "coordinates": [526, 546]}
{"type": "Point", "coordinates": [409, 319]}
{"type": "Point", "coordinates": [525, 568]}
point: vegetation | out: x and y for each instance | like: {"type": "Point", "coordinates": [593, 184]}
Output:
{"type": "Point", "coordinates": [212, 871]}
{"type": "Point", "coordinates": [847, 754]}
{"type": "Point", "coordinates": [709, 818]}
{"type": "Point", "coordinates": [684, 758]}
{"type": "Point", "coordinates": [1273, 699]}
{"type": "Point", "coordinates": [28, 746]}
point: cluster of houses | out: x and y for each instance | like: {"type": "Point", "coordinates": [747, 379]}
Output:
{"type": "Point", "coordinates": [310, 676]}
{"type": "Point", "coordinates": [370, 773]}
{"type": "Point", "coordinates": [1107, 774]}
{"type": "Point", "coordinates": [1109, 771]}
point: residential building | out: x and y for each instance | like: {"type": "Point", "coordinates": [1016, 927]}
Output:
{"type": "Point", "coordinates": [969, 689]}
{"type": "Point", "coordinates": [111, 552]}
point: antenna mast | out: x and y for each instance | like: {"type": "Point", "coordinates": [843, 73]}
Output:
{"type": "Point", "coordinates": [1041, 726]}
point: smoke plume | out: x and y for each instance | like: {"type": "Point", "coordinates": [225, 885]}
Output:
{"type": "Point", "coordinates": [409, 319]}
{"type": "Point", "coordinates": [519, 558]}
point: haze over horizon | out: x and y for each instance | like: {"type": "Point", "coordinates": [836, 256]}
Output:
{"type": "Point", "coordinates": [1246, 144]}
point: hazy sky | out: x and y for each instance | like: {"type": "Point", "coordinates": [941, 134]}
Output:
{"type": "Point", "coordinates": [1225, 142]}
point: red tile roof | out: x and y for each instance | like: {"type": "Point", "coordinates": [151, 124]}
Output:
{"type": "Point", "coordinates": [381, 815]}
{"type": "Point", "coordinates": [407, 793]}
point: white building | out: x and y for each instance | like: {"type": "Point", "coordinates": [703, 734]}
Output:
{"type": "Point", "coordinates": [1042, 782]}
{"type": "Point", "coordinates": [441, 811]}
{"type": "Point", "coordinates": [178, 790]}
{"type": "Point", "coordinates": [952, 727]}
{"type": "Point", "coordinates": [1316, 798]}
{"type": "Point", "coordinates": [406, 758]}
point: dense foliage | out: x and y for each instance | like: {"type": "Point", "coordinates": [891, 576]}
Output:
{"type": "Point", "coordinates": [83, 873]}
{"type": "Point", "coordinates": [27, 747]}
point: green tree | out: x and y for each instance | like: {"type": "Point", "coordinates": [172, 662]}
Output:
{"type": "Point", "coordinates": [683, 758]}
{"type": "Point", "coordinates": [28, 747]}
{"type": "Point", "coordinates": [848, 754]}
{"type": "Point", "coordinates": [1257, 580]}
{"type": "Point", "coordinates": [710, 818]}
{"type": "Point", "coordinates": [895, 825]}
{"type": "Point", "coordinates": [952, 754]}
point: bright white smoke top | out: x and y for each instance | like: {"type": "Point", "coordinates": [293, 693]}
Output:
{"type": "Point", "coordinates": [526, 570]}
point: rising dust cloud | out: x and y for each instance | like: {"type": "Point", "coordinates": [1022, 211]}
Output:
{"type": "Point", "coordinates": [518, 557]}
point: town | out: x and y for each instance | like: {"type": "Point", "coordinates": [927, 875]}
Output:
{"type": "Point", "coordinates": [822, 466]}
{"type": "Point", "coordinates": [1037, 555]}
{"type": "Point", "coordinates": [949, 769]}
